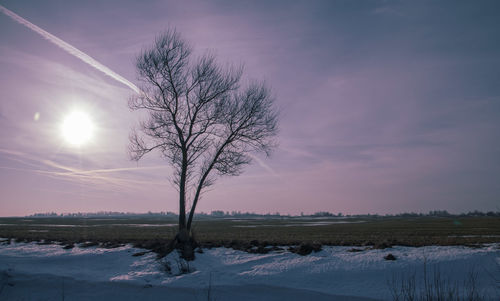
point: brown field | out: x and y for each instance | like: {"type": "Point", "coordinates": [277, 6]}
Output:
{"type": "Point", "coordinates": [418, 231]}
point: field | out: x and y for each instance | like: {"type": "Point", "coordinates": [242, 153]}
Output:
{"type": "Point", "coordinates": [103, 267]}
{"type": "Point", "coordinates": [418, 231]}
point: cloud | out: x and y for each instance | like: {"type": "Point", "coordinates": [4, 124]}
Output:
{"type": "Point", "coordinates": [69, 49]}
{"type": "Point", "coordinates": [123, 177]}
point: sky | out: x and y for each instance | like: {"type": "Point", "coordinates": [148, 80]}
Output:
{"type": "Point", "coordinates": [385, 106]}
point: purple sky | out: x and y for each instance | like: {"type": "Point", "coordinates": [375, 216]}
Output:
{"type": "Point", "coordinates": [386, 106]}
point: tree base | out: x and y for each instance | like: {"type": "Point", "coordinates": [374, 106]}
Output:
{"type": "Point", "coordinates": [185, 244]}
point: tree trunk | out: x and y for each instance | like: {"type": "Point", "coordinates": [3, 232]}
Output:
{"type": "Point", "coordinates": [202, 181]}
{"type": "Point", "coordinates": [183, 234]}
{"type": "Point", "coordinates": [183, 240]}
{"type": "Point", "coordinates": [196, 197]}
{"type": "Point", "coordinates": [193, 208]}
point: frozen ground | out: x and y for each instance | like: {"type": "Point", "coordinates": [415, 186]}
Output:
{"type": "Point", "coordinates": [47, 272]}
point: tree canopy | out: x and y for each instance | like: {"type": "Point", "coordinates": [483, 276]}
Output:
{"type": "Point", "coordinates": [201, 118]}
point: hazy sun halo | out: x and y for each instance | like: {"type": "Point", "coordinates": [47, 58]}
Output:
{"type": "Point", "coordinates": [77, 128]}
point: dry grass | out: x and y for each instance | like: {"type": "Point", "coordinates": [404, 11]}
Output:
{"type": "Point", "coordinates": [433, 286]}
{"type": "Point", "coordinates": [417, 231]}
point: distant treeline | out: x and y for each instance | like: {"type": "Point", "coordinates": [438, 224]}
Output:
{"type": "Point", "coordinates": [239, 214]}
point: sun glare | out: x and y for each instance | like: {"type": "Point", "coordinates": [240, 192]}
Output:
{"type": "Point", "coordinates": [77, 128]}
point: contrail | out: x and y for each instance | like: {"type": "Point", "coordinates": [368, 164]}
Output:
{"type": "Point", "coordinates": [69, 49]}
{"type": "Point", "coordinates": [263, 165]}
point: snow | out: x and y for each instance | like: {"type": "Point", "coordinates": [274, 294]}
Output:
{"type": "Point", "coordinates": [29, 271]}
{"type": "Point", "coordinates": [299, 224]}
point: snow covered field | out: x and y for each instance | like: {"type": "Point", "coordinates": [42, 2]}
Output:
{"type": "Point", "coordinates": [48, 272]}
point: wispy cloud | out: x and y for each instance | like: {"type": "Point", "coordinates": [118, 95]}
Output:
{"type": "Point", "coordinates": [94, 176]}
{"type": "Point", "coordinates": [69, 48]}
{"type": "Point", "coordinates": [263, 165]}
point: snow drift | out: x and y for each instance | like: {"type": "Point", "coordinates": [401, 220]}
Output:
{"type": "Point", "coordinates": [29, 271]}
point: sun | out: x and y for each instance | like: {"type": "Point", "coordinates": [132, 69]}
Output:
{"type": "Point", "coordinates": [77, 128]}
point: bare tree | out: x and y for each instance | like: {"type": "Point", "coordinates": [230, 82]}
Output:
{"type": "Point", "coordinates": [200, 118]}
